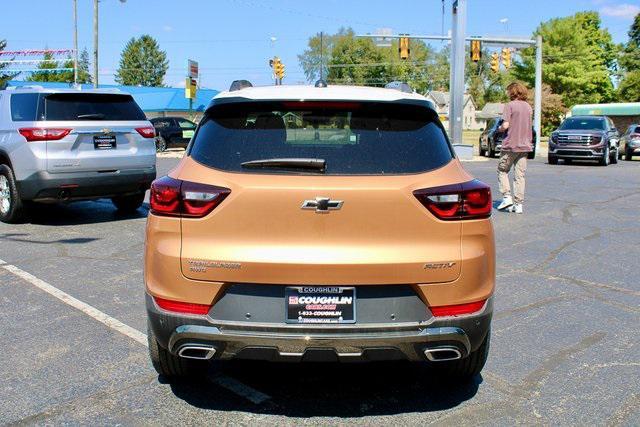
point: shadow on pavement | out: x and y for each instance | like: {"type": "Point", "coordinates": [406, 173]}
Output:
{"type": "Point", "coordinates": [78, 213]}
{"type": "Point", "coordinates": [330, 389]}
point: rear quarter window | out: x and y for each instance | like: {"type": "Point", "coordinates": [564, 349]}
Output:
{"type": "Point", "coordinates": [24, 107]}
{"type": "Point", "coordinates": [354, 138]}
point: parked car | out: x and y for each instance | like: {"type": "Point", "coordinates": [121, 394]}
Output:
{"type": "Point", "coordinates": [491, 139]}
{"type": "Point", "coordinates": [172, 132]}
{"type": "Point", "coordinates": [585, 138]}
{"type": "Point", "coordinates": [66, 144]}
{"type": "Point", "coordinates": [319, 223]}
{"type": "Point", "coordinates": [630, 143]}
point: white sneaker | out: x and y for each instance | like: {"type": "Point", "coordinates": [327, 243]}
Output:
{"type": "Point", "coordinates": [516, 208]}
{"type": "Point", "coordinates": [507, 201]}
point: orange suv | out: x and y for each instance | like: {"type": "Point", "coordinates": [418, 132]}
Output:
{"type": "Point", "coordinates": [326, 223]}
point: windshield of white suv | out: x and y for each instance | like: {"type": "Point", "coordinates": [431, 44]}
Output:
{"type": "Point", "coordinates": [351, 138]}
{"type": "Point", "coordinates": [583, 124]}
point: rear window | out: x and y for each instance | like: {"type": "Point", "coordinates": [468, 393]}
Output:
{"type": "Point", "coordinates": [583, 124]}
{"type": "Point", "coordinates": [354, 138]}
{"type": "Point", "coordinates": [76, 106]}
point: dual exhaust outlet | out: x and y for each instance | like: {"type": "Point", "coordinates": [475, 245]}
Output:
{"type": "Point", "coordinates": [197, 351]}
{"type": "Point", "coordinates": [442, 354]}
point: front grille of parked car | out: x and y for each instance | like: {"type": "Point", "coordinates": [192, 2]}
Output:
{"type": "Point", "coordinates": [574, 139]}
{"type": "Point", "coordinates": [574, 153]}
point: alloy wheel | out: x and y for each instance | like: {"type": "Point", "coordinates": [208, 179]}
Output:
{"type": "Point", "coordinates": [5, 195]}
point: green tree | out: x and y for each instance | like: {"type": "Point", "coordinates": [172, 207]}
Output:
{"type": "Point", "coordinates": [84, 76]}
{"type": "Point", "coordinates": [142, 63]}
{"type": "Point", "coordinates": [579, 59]}
{"type": "Point", "coordinates": [49, 72]}
{"type": "Point", "coordinates": [629, 89]}
{"type": "Point", "coordinates": [311, 59]}
{"type": "Point", "coordinates": [4, 76]}
{"type": "Point", "coordinates": [352, 60]}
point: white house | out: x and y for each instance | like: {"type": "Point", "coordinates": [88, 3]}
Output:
{"type": "Point", "coordinates": [442, 101]}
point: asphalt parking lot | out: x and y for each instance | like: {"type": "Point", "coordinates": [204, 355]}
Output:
{"type": "Point", "coordinates": [565, 342]}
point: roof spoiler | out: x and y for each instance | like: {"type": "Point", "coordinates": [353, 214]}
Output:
{"type": "Point", "coordinates": [401, 86]}
{"type": "Point", "coordinates": [239, 84]}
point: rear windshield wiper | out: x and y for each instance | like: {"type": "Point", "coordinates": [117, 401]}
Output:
{"type": "Point", "coordinates": [315, 164]}
{"type": "Point", "coordinates": [96, 116]}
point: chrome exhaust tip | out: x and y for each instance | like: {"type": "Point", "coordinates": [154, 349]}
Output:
{"type": "Point", "coordinates": [197, 351]}
{"type": "Point", "coordinates": [442, 354]}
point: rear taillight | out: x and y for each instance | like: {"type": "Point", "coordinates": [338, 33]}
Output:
{"type": "Point", "coordinates": [458, 309]}
{"type": "Point", "coordinates": [182, 307]}
{"type": "Point", "coordinates": [43, 134]}
{"type": "Point", "coordinates": [174, 197]}
{"type": "Point", "coordinates": [147, 132]}
{"type": "Point", "coordinates": [469, 200]}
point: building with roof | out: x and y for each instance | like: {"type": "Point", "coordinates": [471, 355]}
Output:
{"type": "Point", "coordinates": [623, 114]}
{"type": "Point", "coordinates": [442, 101]}
{"type": "Point", "coordinates": [154, 101]}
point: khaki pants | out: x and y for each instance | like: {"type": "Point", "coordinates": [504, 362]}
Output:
{"type": "Point", "coordinates": [519, 162]}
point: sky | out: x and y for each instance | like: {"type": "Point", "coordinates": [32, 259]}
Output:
{"type": "Point", "coordinates": [234, 39]}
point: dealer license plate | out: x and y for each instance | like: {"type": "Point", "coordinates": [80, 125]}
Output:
{"type": "Point", "coordinates": [320, 304]}
{"type": "Point", "coordinates": [104, 142]}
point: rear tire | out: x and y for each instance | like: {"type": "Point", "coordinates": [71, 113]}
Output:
{"type": "Point", "coordinates": [492, 152]}
{"type": "Point", "coordinates": [627, 155]}
{"type": "Point", "coordinates": [128, 204]}
{"type": "Point", "coordinates": [482, 152]}
{"type": "Point", "coordinates": [170, 366]}
{"type": "Point", "coordinates": [468, 367]}
{"type": "Point", "coordinates": [613, 159]}
{"type": "Point", "coordinates": [161, 144]}
{"type": "Point", "coordinates": [553, 160]}
{"type": "Point", "coordinates": [12, 209]}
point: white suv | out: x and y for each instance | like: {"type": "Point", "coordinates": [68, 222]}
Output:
{"type": "Point", "coordinates": [69, 144]}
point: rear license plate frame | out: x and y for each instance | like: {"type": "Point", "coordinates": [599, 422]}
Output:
{"type": "Point", "coordinates": [104, 142]}
{"type": "Point", "coordinates": [297, 312]}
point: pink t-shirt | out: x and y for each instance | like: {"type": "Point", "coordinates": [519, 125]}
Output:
{"type": "Point", "coordinates": [519, 137]}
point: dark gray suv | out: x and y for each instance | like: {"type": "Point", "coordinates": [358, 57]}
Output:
{"type": "Point", "coordinates": [585, 138]}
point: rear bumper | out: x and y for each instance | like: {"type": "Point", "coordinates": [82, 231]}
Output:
{"type": "Point", "coordinates": [287, 342]}
{"type": "Point", "coordinates": [45, 186]}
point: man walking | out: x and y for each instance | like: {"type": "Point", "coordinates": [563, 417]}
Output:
{"type": "Point", "coordinates": [515, 147]}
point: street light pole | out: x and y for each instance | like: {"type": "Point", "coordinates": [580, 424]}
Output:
{"type": "Point", "coordinates": [75, 41]}
{"type": "Point", "coordinates": [95, 43]}
{"type": "Point", "coordinates": [456, 91]}
{"type": "Point", "coordinates": [537, 98]}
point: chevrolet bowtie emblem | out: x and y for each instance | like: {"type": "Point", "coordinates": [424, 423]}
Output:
{"type": "Point", "coordinates": [322, 204]}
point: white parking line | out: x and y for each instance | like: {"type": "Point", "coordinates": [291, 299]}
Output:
{"type": "Point", "coordinates": [76, 303]}
{"type": "Point", "coordinates": [229, 383]}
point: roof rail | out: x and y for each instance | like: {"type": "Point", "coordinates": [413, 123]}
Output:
{"type": "Point", "coordinates": [239, 84]}
{"type": "Point", "coordinates": [36, 87]}
{"type": "Point", "coordinates": [401, 86]}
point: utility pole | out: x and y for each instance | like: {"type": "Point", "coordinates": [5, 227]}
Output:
{"type": "Point", "coordinates": [456, 89]}
{"type": "Point", "coordinates": [537, 97]}
{"type": "Point", "coordinates": [75, 41]}
{"type": "Point", "coordinates": [95, 43]}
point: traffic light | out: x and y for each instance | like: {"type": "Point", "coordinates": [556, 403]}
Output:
{"type": "Point", "coordinates": [403, 48]}
{"type": "Point", "coordinates": [476, 50]}
{"type": "Point", "coordinates": [278, 69]}
{"type": "Point", "coordinates": [506, 57]}
{"type": "Point", "coordinates": [495, 62]}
